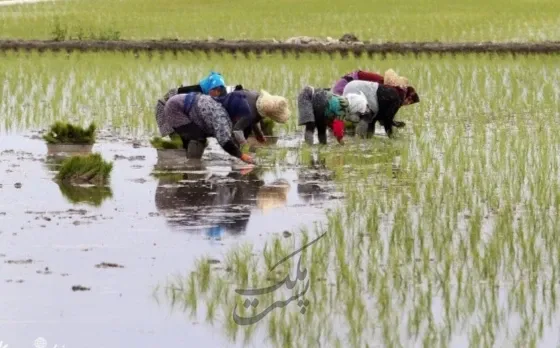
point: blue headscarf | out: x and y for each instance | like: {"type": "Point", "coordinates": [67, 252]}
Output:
{"type": "Point", "coordinates": [333, 107]}
{"type": "Point", "coordinates": [211, 81]}
{"type": "Point", "coordinates": [236, 104]}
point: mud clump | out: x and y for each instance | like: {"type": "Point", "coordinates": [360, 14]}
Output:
{"type": "Point", "coordinates": [46, 271]}
{"type": "Point", "coordinates": [80, 288]}
{"type": "Point", "coordinates": [19, 262]}
{"type": "Point", "coordinates": [131, 158]}
{"type": "Point", "coordinates": [18, 185]}
{"type": "Point", "coordinates": [108, 265]}
{"type": "Point", "coordinates": [348, 37]}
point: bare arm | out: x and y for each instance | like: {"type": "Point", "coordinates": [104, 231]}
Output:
{"type": "Point", "coordinates": [258, 132]}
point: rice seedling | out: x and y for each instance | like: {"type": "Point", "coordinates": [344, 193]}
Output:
{"type": "Point", "coordinates": [67, 133]}
{"type": "Point", "coordinates": [91, 169]}
{"type": "Point", "coordinates": [174, 142]}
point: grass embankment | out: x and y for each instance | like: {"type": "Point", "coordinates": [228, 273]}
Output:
{"type": "Point", "coordinates": [67, 133]}
{"type": "Point", "coordinates": [409, 20]}
{"type": "Point", "coordinates": [90, 169]}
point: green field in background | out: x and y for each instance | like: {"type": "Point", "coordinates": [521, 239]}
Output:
{"type": "Point", "coordinates": [376, 21]}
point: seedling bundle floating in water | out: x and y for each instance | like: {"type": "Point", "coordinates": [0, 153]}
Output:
{"type": "Point", "coordinates": [174, 143]}
{"type": "Point", "coordinates": [91, 169]}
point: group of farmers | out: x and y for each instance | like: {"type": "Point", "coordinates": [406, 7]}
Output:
{"type": "Point", "coordinates": [230, 114]}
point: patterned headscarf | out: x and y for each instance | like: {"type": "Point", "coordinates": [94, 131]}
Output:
{"type": "Point", "coordinates": [336, 106]}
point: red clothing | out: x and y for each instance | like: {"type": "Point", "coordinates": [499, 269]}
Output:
{"type": "Point", "coordinates": [369, 76]}
{"type": "Point", "coordinates": [374, 77]}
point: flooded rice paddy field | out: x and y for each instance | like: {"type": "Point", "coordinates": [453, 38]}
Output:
{"type": "Point", "coordinates": [444, 236]}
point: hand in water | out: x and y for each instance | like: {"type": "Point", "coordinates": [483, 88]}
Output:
{"type": "Point", "coordinates": [247, 159]}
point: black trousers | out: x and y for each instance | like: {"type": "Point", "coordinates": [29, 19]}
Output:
{"type": "Point", "coordinates": [389, 102]}
{"type": "Point", "coordinates": [194, 140]}
{"type": "Point", "coordinates": [321, 125]}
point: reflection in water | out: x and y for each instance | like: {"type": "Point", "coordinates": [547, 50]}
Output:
{"type": "Point", "coordinates": [91, 195]}
{"type": "Point", "coordinates": [200, 199]}
{"type": "Point", "coordinates": [83, 194]}
{"type": "Point", "coordinates": [312, 181]}
{"type": "Point", "coordinates": [273, 196]}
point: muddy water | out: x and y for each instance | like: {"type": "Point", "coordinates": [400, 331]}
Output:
{"type": "Point", "coordinates": [115, 245]}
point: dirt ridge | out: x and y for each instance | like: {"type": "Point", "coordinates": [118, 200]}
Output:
{"type": "Point", "coordinates": [259, 47]}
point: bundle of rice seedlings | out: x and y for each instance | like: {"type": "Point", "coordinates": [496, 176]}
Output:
{"type": "Point", "coordinates": [91, 169]}
{"type": "Point", "coordinates": [66, 133]}
{"type": "Point", "coordinates": [175, 142]}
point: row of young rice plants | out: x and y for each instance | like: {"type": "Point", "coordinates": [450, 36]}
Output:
{"type": "Point", "coordinates": [446, 236]}
{"type": "Point", "coordinates": [405, 21]}
{"type": "Point", "coordinates": [120, 89]}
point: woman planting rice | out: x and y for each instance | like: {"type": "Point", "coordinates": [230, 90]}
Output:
{"type": "Point", "coordinates": [390, 79]}
{"type": "Point", "coordinates": [262, 105]}
{"type": "Point", "coordinates": [196, 117]}
{"type": "Point", "coordinates": [384, 101]}
{"type": "Point", "coordinates": [212, 85]}
{"type": "Point", "coordinates": [319, 108]}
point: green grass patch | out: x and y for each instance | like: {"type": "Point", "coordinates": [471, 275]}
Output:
{"type": "Point", "coordinates": [90, 169]}
{"type": "Point", "coordinates": [408, 20]}
{"type": "Point", "coordinates": [174, 142]}
{"type": "Point", "coordinates": [67, 133]}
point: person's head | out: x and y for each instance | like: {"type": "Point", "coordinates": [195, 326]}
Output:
{"type": "Point", "coordinates": [213, 85]}
{"type": "Point", "coordinates": [236, 105]}
{"type": "Point", "coordinates": [411, 97]}
{"type": "Point", "coordinates": [336, 106]}
{"type": "Point", "coordinates": [357, 106]}
{"type": "Point", "coordinates": [273, 106]}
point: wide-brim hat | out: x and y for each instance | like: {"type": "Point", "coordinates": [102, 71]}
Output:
{"type": "Point", "coordinates": [391, 78]}
{"type": "Point", "coordinates": [274, 107]}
